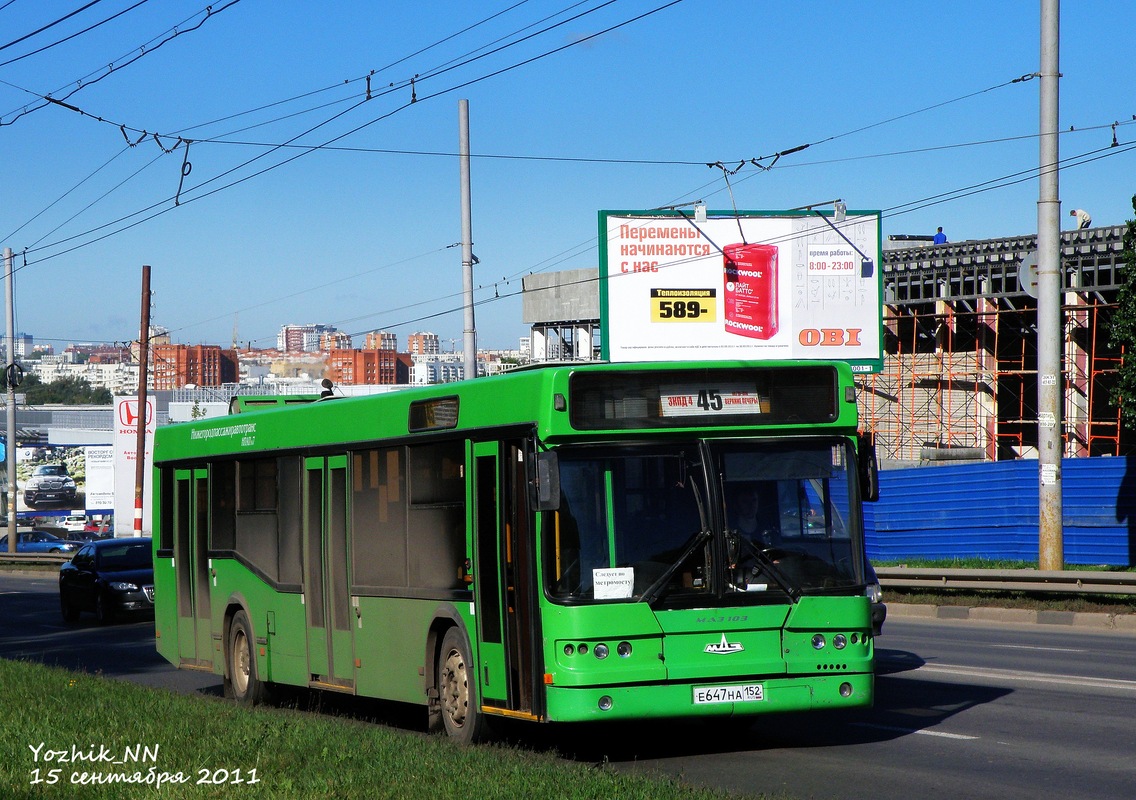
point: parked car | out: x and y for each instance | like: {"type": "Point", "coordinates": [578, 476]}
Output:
{"type": "Point", "coordinates": [49, 483]}
{"type": "Point", "coordinates": [86, 535]}
{"type": "Point", "coordinates": [38, 542]}
{"type": "Point", "coordinates": [73, 522]}
{"type": "Point", "coordinates": [109, 577]}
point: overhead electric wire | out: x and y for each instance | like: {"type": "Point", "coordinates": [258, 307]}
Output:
{"type": "Point", "coordinates": [50, 25]}
{"type": "Point", "coordinates": [151, 207]}
{"type": "Point", "coordinates": [483, 78]}
{"type": "Point", "coordinates": [309, 289]}
{"type": "Point", "coordinates": [1007, 180]}
{"type": "Point", "coordinates": [63, 196]}
{"type": "Point", "coordinates": [114, 66]}
{"type": "Point", "coordinates": [405, 83]}
{"type": "Point", "coordinates": [658, 162]}
{"type": "Point", "coordinates": [381, 117]}
{"type": "Point", "coordinates": [340, 84]}
{"type": "Point", "coordinates": [74, 35]}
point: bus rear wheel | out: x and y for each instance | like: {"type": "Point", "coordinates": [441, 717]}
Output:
{"type": "Point", "coordinates": [457, 690]}
{"type": "Point", "coordinates": [243, 684]}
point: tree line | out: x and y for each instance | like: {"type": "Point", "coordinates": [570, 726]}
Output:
{"type": "Point", "coordinates": [70, 391]}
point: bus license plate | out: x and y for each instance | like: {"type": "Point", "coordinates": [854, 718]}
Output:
{"type": "Point", "coordinates": [742, 693]}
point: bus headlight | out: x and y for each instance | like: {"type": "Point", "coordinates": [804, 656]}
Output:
{"type": "Point", "coordinates": [818, 641]}
{"type": "Point", "coordinates": [600, 650]}
{"type": "Point", "coordinates": [839, 641]}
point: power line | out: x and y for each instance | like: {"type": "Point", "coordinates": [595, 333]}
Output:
{"type": "Point", "coordinates": [985, 186]}
{"type": "Point", "coordinates": [186, 142]}
{"type": "Point", "coordinates": [306, 152]}
{"type": "Point", "coordinates": [74, 35]}
{"type": "Point", "coordinates": [50, 25]}
{"type": "Point", "coordinates": [114, 66]}
{"type": "Point", "coordinates": [341, 84]}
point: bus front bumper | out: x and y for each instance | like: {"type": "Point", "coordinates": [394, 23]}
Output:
{"type": "Point", "coordinates": [703, 699]}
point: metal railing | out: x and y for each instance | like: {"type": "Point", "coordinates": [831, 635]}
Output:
{"type": "Point", "coordinates": [34, 558]}
{"type": "Point", "coordinates": [1011, 580]}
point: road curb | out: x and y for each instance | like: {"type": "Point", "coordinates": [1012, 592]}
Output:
{"type": "Point", "coordinates": [1017, 616]}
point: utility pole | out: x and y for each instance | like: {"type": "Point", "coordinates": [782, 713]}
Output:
{"type": "Point", "coordinates": [469, 339]}
{"type": "Point", "coordinates": [1050, 377]}
{"type": "Point", "coordinates": [140, 446]}
{"type": "Point", "coordinates": [10, 439]}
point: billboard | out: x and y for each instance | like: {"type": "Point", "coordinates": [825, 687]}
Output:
{"type": "Point", "coordinates": [60, 480]}
{"type": "Point", "coordinates": [676, 285]}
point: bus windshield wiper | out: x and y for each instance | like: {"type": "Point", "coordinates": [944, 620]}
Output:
{"type": "Point", "coordinates": [656, 588]}
{"type": "Point", "coordinates": [770, 567]}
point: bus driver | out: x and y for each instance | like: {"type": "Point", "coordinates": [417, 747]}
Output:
{"type": "Point", "coordinates": [749, 517]}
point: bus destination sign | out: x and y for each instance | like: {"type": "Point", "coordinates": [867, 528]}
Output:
{"type": "Point", "coordinates": [689, 400]}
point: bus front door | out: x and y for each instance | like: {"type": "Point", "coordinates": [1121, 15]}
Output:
{"type": "Point", "coordinates": [326, 594]}
{"type": "Point", "coordinates": [505, 575]}
{"type": "Point", "coordinates": [191, 563]}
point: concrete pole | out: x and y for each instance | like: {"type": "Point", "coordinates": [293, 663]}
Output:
{"type": "Point", "coordinates": [10, 438]}
{"type": "Point", "coordinates": [469, 339]}
{"type": "Point", "coordinates": [1050, 378]}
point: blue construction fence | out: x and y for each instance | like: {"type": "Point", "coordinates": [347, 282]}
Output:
{"type": "Point", "coordinates": [990, 511]}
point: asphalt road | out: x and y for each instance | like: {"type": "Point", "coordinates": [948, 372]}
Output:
{"type": "Point", "coordinates": [32, 628]}
{"type": "Point", "coordinates": [963, 709]}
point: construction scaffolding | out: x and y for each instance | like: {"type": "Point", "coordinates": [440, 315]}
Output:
{"type": "Point", "coordinates": [960, 341]}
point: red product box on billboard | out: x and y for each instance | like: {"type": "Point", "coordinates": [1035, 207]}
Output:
{"type": "Point", "coordinates": [751, 290]}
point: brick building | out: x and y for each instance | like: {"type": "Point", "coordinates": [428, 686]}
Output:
{"type": "Point", "coordinates": [173, 366]}
{"type": "Point", "coordinates": [369, 367]}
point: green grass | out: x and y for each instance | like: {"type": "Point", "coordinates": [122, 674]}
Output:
{"type": "Point", "coordinates": [294, 754]}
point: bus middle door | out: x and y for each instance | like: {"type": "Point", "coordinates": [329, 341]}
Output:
{"type": "Point", "coordinates": [326, 593]}
{"type": "Point", "coordinates": [486, 513]}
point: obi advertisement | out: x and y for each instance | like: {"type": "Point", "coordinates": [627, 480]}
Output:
{"type": "Point", "coordinates": [675, 285]}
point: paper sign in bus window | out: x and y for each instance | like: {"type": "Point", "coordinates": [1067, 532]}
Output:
{"type": "Point", "coordinates": [614, 583]}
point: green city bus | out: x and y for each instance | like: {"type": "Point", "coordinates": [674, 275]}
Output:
{"type": "Point", "coordinates": [557, 544]}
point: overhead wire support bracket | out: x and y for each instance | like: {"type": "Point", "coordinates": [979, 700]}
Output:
{"type": "Point", "coordinates": [867, 265]}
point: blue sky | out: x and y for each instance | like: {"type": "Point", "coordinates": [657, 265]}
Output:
{"type": "Point", "coordinates": [907, 107]}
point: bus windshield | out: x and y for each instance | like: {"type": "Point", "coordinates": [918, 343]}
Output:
{"type": "Point", "coordinates": [698, 523]}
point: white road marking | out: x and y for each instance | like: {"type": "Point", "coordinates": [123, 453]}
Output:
{"type": "Point", "coordinates": [923, 731]}
{"type": "Point", "coordinates": [1030, 677]}
{"type": "Point", "coordinates": [1047, 649]}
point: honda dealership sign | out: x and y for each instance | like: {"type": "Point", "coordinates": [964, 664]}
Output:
{"type": "Point", "coordinates": [128, 416]}
{"type": "Point", "coordinates": [752, 285]}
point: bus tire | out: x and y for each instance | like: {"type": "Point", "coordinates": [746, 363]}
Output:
{"type": "Point", "coordinates": [243, 684]}
{"type": "Point", "coordinates": [457, 690]}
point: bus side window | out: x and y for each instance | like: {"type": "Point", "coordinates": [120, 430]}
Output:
{"type": "Point", "coordinates": [436, 520]}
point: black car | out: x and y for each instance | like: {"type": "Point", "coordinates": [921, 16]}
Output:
{"type": "Point", "coordinates": [49, 483]}
{"type": "Point", "coordinates": [108, 577]}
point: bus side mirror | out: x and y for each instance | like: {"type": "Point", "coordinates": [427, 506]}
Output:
{"type": "Point", "coordinates": [869, 467]}
{"type": "Point", "coordinates": [544, 491]}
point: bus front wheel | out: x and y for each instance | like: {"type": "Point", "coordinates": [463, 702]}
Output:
{"type": "Point", "coordinates": [457, 690]}
{"type": "Point", "coordinates": [243, 684]}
